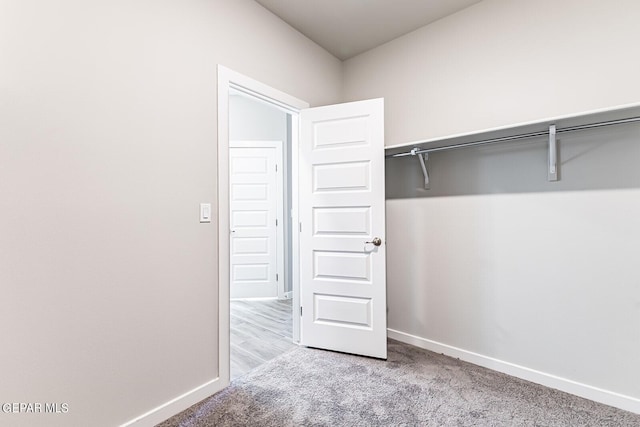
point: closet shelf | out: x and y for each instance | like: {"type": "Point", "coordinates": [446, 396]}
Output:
{"type": "Point", "coordinates": [547, 128]}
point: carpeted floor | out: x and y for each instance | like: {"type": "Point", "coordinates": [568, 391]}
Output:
{"type": "Point", "coordinates": [414, 387]}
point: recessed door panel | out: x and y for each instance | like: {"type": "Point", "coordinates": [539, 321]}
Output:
{"type": "Point", "coordinates": [350, 266]}
{"type": "Point", "coordinates": [342, 311]}
{"type": "Point", "coordinates": [347, 221]}
{"type": "Point", "coordinates": [352, 176]}
{"type": "Point", "coordinates": [250, 272]}
{"type": "Point", "coordinates": [251, 219]}
{"type": "Point", "coordinates": [246, 192]}
{"type": "Point", "coordinates": [351, 131]}
{"type": "Point", "coordinates": [249, 245]}
{"type": "Point", "coordinates": [249, 165]}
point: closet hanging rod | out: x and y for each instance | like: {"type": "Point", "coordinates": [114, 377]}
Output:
{"type": "Point", "coordinates": [415, 151]}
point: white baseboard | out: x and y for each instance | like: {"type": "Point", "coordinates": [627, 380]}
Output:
{"type": "Point", "coordinates": [607, 397]}
{"type": "Point", "coordinates": [176, 405]}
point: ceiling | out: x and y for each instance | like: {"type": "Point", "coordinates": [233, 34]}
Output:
{"type": "Point", "coordinates": [349, 27]}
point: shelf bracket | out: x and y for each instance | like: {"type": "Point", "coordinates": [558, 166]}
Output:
{"type": "Point", "coordinates": [423, 158]}
{"type": "Point", "coordinates": [553, 154]}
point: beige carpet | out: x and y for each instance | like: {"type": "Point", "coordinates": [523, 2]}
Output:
{"type": "Point", "coordinates": [414, 387]}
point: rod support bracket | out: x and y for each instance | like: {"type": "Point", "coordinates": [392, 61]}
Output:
{"type": "Point", "coordinates": [423, 158]}
{"type": "Point", "coordinates": [553, 154]}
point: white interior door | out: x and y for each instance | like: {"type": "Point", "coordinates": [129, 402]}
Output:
{"type": "Point", "coordinates": [256, 243]}
{"type": "Point", "coordinates": [341, 199]}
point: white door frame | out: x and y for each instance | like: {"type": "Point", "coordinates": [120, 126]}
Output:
{"type": "Point", "coordinates": [228, 79]}
{"type": "Point", "coordinates": [280, 203]}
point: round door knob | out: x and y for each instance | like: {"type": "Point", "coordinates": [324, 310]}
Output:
{"type": "Point", "coordinates": [376, 241]}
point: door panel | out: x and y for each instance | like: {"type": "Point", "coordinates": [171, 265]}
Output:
{"type": "Point", "coordinates": [338, 133]}
{"type": "Point", "coordinates": [347, 221]}
{"type": "Point", "coordinates": [252, 192]}
{"type": "Point", "coordinates": [353, 176]}
{"type": "Point", "coordinates": [343, 311]}
{"type": "Point", "coordinates": [341, 193]}
{"type": "Point", "coordinates": [344, 266]}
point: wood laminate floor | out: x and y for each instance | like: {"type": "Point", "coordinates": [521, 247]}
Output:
{"type": "Point", "coordinates": [260, 331]}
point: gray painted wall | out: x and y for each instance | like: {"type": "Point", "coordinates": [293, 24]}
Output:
{"type": "Point", "coordinates": [494, 260]}
{"type": "Point", "coordinates": [107, 148]}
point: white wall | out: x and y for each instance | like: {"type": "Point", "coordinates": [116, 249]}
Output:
{"type": "Point", "coordinates": [107, 146]}
{"type": "Point", "coordinates": [494, 262]}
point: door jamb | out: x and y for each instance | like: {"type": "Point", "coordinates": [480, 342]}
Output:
{"type": "Point", "coordinates": [228, 79]}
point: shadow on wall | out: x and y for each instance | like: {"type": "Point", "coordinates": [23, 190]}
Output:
{"type": "Point", "coordinates": [606, 158]}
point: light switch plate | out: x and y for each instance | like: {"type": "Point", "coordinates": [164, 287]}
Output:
{"type": "Point", "coordinates": [205, 212]}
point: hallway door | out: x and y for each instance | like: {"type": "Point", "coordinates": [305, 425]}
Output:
{"type": "Point", "coordinates": [256, 242]}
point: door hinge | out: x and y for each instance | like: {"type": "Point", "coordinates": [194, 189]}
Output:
{"type": "Point", "coordinates": [276, 277]}
{"type": "Point", "coordinates": [276, 222]}
{"type": "Point", "coordinates": [276, 167]}
{"type": "Point", "coordinates": [300, 310]}
{"type": "Point", "coordinates": [300, 227]}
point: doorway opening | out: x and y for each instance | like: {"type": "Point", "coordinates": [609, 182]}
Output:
{"type": "Point", "coordinates": [257, 207]}
{"type": "Point", "coordinates": [261, 288]}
